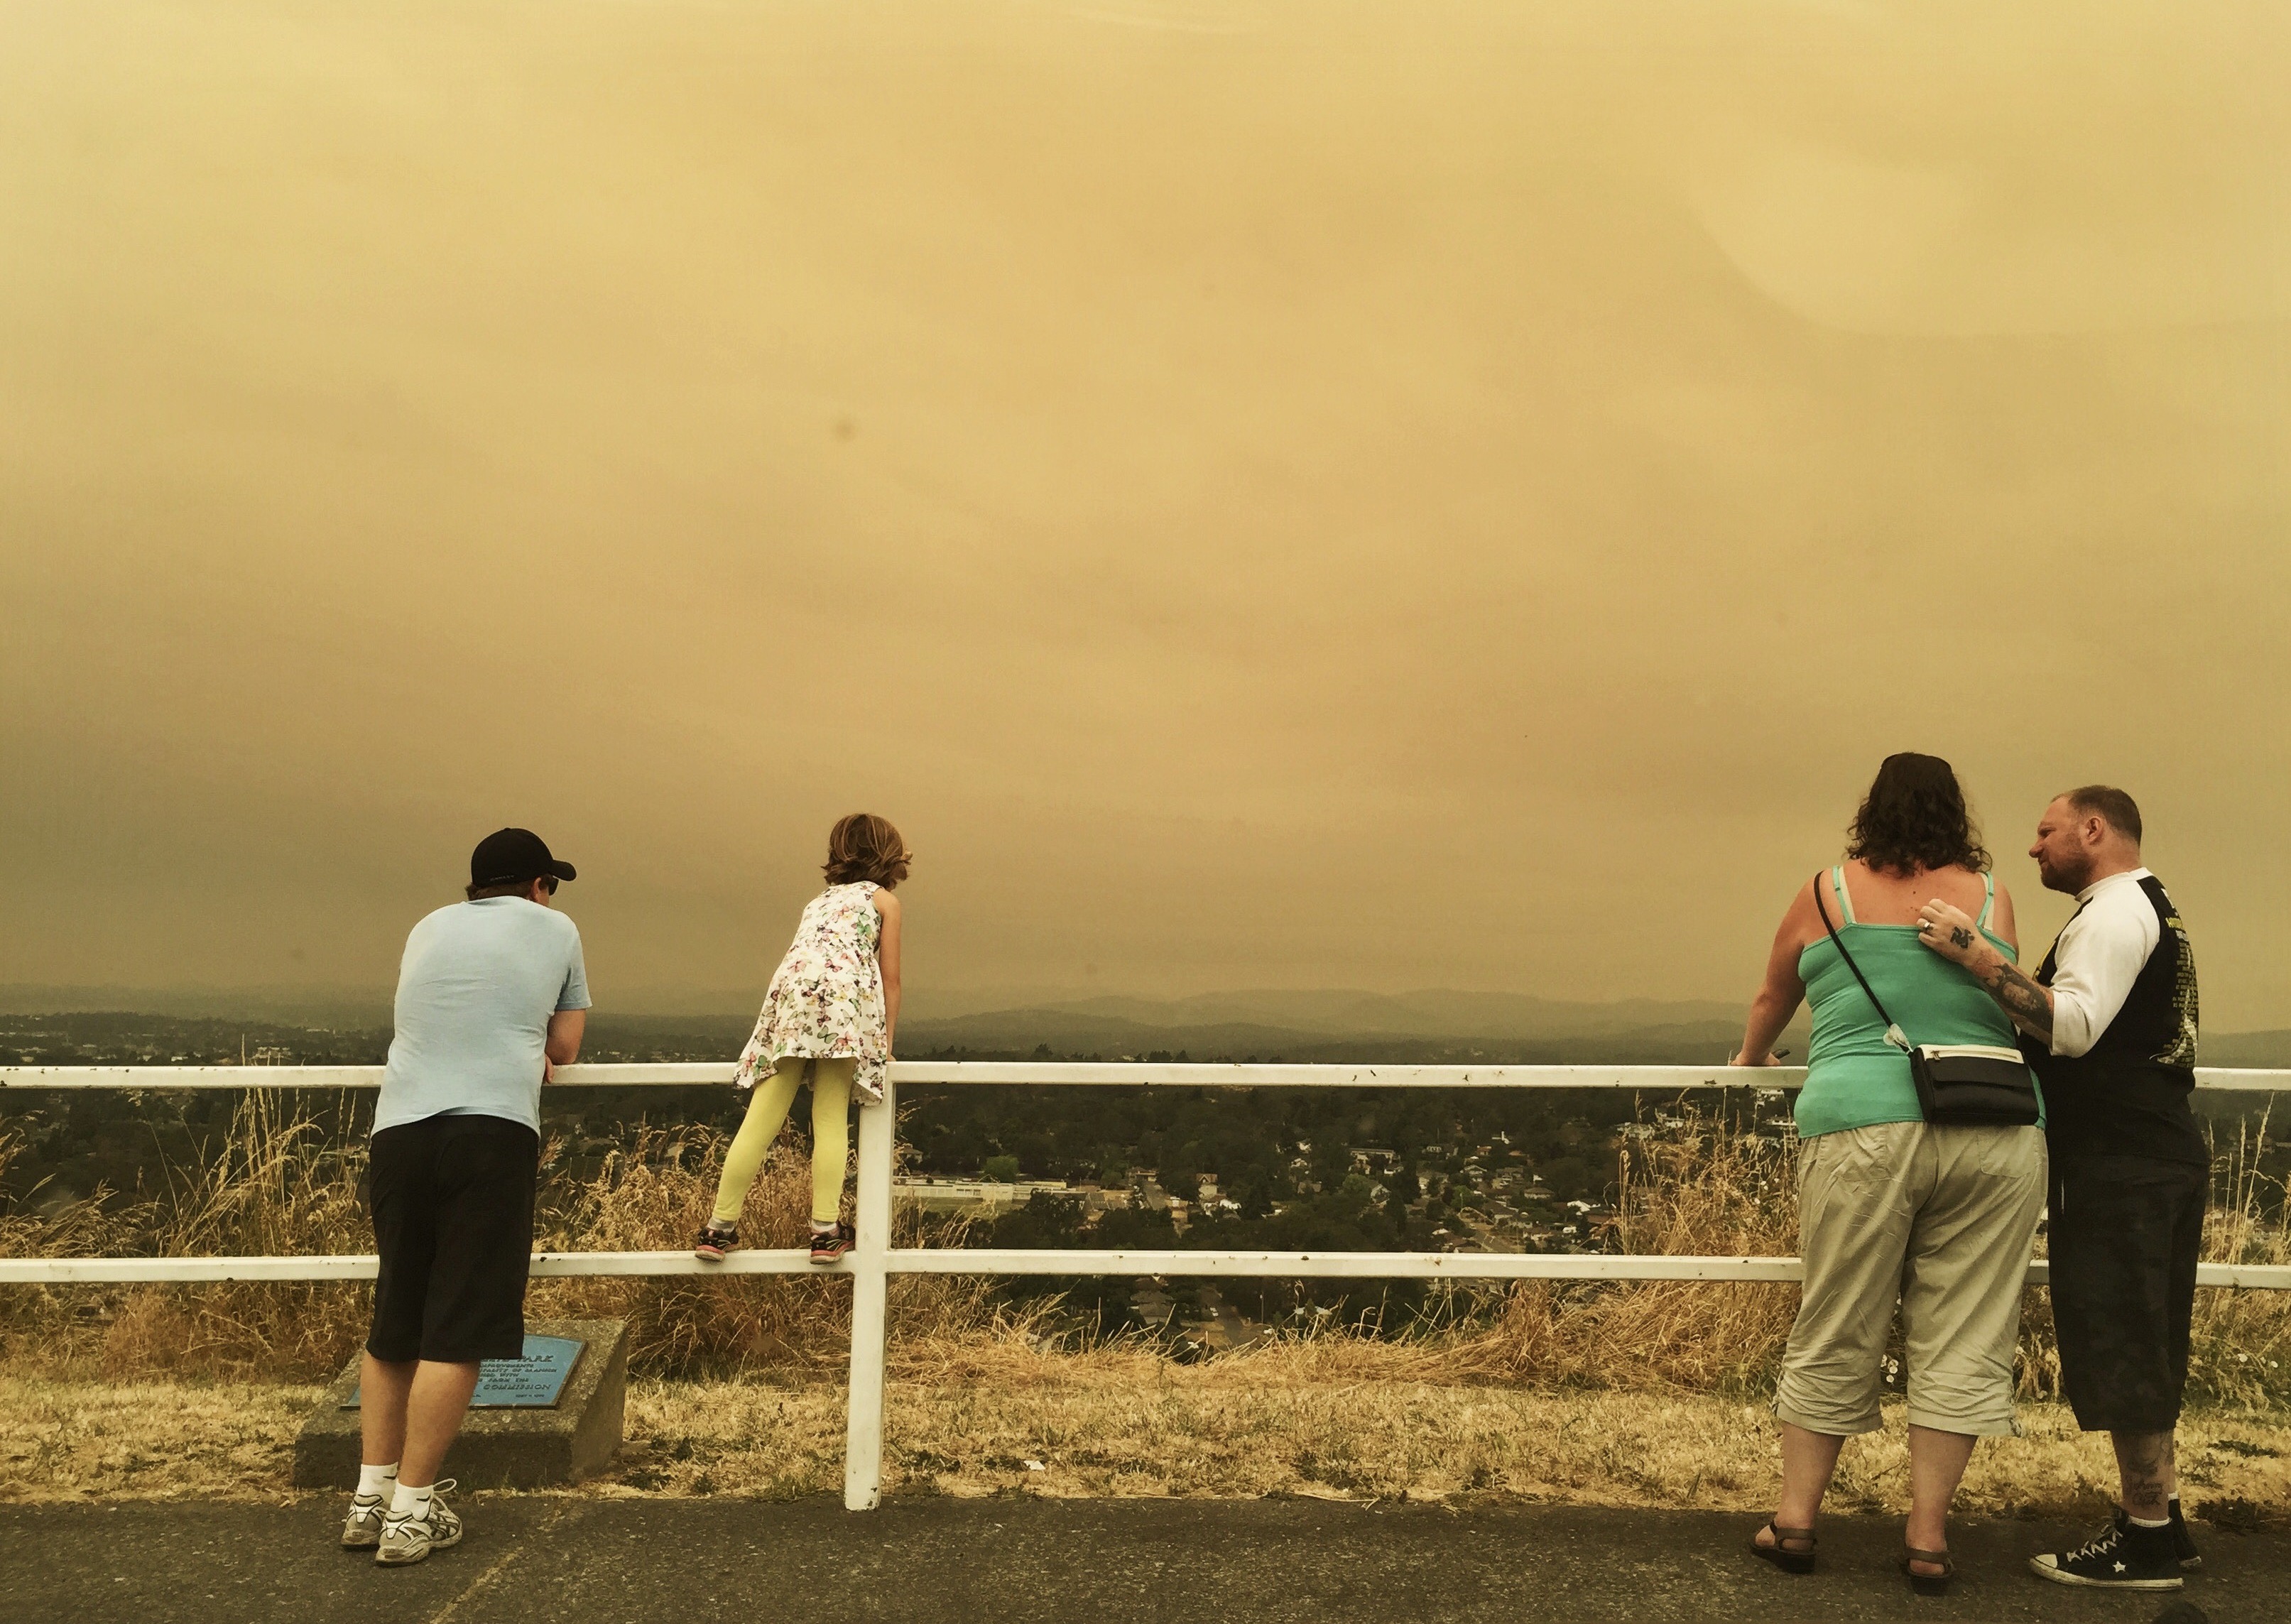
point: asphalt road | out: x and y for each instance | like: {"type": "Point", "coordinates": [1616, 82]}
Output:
{"type": "Point", "coordinates": [534, 1557]}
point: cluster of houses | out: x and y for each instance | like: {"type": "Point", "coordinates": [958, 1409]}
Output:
{"type": "Point", "coordinates": [1479, 1198]}
{"type": "Point", "coordinates": [1503, 1208]}
{"type": "Point", "coordinates": [989, 1195]}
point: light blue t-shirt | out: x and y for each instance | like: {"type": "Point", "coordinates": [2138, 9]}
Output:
{"type": "Point", "coordinates": [475, 991]}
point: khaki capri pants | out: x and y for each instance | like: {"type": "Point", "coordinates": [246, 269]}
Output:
{"type": "Point", "coordinates": [1939, 1220]}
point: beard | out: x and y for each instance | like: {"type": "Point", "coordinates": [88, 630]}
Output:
{"type": "Point", "coordinates": [2071, 873]}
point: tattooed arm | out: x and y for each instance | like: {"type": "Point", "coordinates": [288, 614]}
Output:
{"type": "Point", "coordinates": [1950, 933]}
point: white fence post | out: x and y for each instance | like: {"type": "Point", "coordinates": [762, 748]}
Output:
{"type": "Point", "coordinates": [862, 1441]}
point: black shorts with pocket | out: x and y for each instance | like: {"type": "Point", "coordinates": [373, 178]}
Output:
{"type": "Point", "coordinates": [2123, 1237]}
{"type": "Point", "coordinates": [451, 1198]}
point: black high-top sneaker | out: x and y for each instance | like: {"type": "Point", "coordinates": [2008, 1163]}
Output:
{"type": "Point", "coordinates": [2184, 1543]}
{"type": "Point", "coordinates": [2119, 1557]}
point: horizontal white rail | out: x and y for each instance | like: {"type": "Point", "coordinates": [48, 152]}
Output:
{"type": "Point", "coordinates": [873, 1260]}
{"type": "Point", "coordinates": [363, 1265]}
{"type": "Point", "coordinates": [1194, 1074]}
{"type": "Point", "coordinates": [1000, 1261]}
{"type": "Point", "coordinates": [1445, 1266]}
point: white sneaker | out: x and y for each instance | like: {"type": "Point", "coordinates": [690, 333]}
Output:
{"type": "Point", "coordinates": [362, 1529]}
{"type": "Point", "coordinates": [412, 1539]}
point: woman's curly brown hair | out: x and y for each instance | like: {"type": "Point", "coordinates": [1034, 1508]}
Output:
{"type": "Point", "coordinates": [864, 847]}
{"type": "Point", "coordinates": [1915, 818]}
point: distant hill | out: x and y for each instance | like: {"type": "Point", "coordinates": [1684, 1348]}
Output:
{"type": "Point", "coordinates": [1432, 1027]}
{"type": "Point", "coordinates": [1429, 1027]}
{"type": "Point", "coordinates": [1018, 1035]}
{"type": "Point", "coordinates": [344, 1008]}
{"type": "Point", "coordinates": [1436, 1012]}
{"type": "Point", "coordinates": [2271, 1049]}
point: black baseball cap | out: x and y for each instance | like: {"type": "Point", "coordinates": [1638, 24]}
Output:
{"type": "Point", "coordinates": [508, 857]}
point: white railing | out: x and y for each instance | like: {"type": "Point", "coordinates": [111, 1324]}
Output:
{"type": "Point", "coordinates": [873, 1260]}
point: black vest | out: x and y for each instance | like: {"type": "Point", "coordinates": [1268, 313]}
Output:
{"type": "Point", "coordinates": [2128, 1095]}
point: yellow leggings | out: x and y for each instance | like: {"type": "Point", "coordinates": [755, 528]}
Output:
{"type": "Point", "coordinates": [767, 1109]}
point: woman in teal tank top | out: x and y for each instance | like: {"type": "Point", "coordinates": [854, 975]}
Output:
{"type": "Point", "coordinates": [1854, 1078]}
{"type": "Point", "coordinates": [1894, 1211]}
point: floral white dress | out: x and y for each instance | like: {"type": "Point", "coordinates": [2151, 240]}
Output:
{"type": "Point", "coordinates": [826, 1000]}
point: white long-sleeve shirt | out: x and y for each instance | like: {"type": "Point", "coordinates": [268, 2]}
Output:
{"type": "Point", "coordinates": [2098, 957]}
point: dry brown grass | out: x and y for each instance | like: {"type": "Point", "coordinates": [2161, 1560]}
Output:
{"type": "Point", "coordinates": [2239, 1345]}
{"type": "Point", "coordinates": [1638, 1395]}
{"type": "Point", "coordinates": [148, 1440]}
{"type": "Point", "coordinates": [655, 1194]}
{"type": "Point", "coordinates": [1229, 1428]}
{"type": "Point", "coordinates": [276, 1186]}
{"type": "Point", "coordinates": [48, 1324]}
{"type": "Point", "coordinates": [1119, 1423]}
{"type": "Point", "coordinates": [1712, 1190]}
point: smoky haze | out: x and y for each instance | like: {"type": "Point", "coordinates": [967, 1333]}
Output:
{"type": "Point", "coordinates": [1394, 495]}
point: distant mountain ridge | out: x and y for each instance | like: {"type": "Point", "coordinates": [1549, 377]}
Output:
{"type": "Point", "coordinates": [1326, 1023]}
{"type": "Point", "coordinates": [1432, 1012]}
{"type": "Point", "coordinates": [2269, 1050]}
{"type": "Point", "coordinates": [336, 1007]}
{"type": "Point", "coordinates": [1429, 1026]}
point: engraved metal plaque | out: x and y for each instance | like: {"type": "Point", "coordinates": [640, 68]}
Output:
{"type": "Point", "coordinates": [533, 1382]}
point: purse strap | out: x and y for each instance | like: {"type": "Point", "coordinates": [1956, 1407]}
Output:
{"type": "Point", "coordinates": [1893, 1033]}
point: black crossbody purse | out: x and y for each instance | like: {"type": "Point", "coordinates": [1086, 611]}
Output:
{"type": "Point", "coordinates": [1963, 1085]}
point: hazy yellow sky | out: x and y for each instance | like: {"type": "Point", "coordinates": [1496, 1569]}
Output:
{"type": "Point", "coordinates": [1391, 494]}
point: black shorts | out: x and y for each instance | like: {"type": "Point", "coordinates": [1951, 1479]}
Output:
{"type": "Point", "coordinates": [452, 1219]}
{"type": "Point", "coordinates": [2124, 1235]}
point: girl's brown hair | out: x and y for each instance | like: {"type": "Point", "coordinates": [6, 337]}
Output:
{"type": "Point", "coordinates": [864, 847]}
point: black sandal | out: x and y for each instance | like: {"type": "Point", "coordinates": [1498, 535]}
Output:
{"type": "Point", "coordinates": [1780, 1554]}
{"type": "Point", "coordinates": [1928, 1584]}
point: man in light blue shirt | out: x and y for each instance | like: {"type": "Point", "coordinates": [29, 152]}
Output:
{"type": "Point", "coordinates": [491, 1000]}
{"type": "Point", "coordinates": [484, 986]}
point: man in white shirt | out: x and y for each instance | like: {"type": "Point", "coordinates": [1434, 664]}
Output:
{"type": "Point", "coordinates": [491, 1000]}
{"type": "Point", "coordinates": [2109, 1025]}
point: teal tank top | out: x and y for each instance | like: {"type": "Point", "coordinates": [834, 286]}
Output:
{"type": "Point", "coordinates": [1853, 1077]}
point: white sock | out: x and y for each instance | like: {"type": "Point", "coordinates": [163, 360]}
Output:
{"type": "Point", "coordinates": [377, 1482]}
{"type": "Point", "coordinates": [819, 1228]}
{"type": "Point", "coordinates": [412, 1502]}
{"type": "Point", "coordinates": [2144, 1522]}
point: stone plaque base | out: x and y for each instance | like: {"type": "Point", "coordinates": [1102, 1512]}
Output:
{"type": "Point", "coordinates": [498, 1449]}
